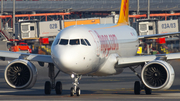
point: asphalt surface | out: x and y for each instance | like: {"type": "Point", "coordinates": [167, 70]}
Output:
{"type": "Point", "coordinates": [118, 87]}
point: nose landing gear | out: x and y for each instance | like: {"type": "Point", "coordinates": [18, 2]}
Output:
{"type": "Point", "coordinates": [75, 90]}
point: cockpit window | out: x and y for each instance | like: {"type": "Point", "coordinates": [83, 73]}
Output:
{"type": "Point", "coordinates": [74, 42]}
{"type": "Point", "coordinates": [63, 42]}
{"type": "Point", "coordinates": [87, 42]}
{"type": "Point", "coordinates": [56, 42]}
{"type": "Point", "coordinates": [83, 42]}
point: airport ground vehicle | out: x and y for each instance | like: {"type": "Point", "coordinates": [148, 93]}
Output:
{"type": "Point", "coordinates": [21, 47]}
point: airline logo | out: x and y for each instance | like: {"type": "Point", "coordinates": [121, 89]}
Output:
{"type": "Point", "coordinates": [108, 43]}
{"type": "Point", "coordinates": [124, 13]}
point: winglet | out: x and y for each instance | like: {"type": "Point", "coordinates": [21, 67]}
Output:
{"type": "Point", "coordinates": [124, 13]}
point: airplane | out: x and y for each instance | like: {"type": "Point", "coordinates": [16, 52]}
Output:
{"type": "Point", "coordinates": [93, 50]}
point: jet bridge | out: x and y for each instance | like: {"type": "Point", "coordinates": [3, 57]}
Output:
{"type": "Point", "coordinates": [154, 26]}
{"type": "Point", "coordinates": [155, 45]}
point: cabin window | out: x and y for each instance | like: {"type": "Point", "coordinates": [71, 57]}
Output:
{"type": "Point", "coordinates": [83, 42]}
{"type": "Point", "coordinates": [74, 42]}
{"type": "Point", "coordinates": [87, 42]}
{"type": "Point", "coordinates": [63, 42]}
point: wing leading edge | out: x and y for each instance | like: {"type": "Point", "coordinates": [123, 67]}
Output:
{"type": "Point", "coordinates": [135, 60]}
{"type": "Point", "coordinates": [157, 35]}
{"type": "Point", "coordinates": [26, 56]}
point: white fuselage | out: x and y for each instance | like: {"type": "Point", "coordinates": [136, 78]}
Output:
{"type": "Point", "coordinates": [72, 54]}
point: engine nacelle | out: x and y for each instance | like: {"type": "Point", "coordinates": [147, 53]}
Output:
{"type": "Point", "coordinates": [20, 74]}
{"type": "Point", "coordinates": [157, 75]}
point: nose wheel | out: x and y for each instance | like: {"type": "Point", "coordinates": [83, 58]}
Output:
{"type": "Point", "coordinates": [72, 91]}
{"type": "Point", "coordinates": [75, 90]}
{"type": "Point", "coordinates": [78, 91]}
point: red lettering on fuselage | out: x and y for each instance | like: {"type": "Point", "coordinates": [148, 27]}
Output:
{"type": "Point", "coordinates": [108, 42]}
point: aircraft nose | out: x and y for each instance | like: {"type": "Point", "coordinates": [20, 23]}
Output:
{"type": "Point", "coordinates": [70, 61]}
{"type": "Point", "coordinates": [65, 59]}
{"type": "Point", "coordinates": [73, 59]}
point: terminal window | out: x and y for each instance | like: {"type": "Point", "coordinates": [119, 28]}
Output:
{"type": "Point", "coordinates": [32, 28]}
{"type": "Point", "coordinates": [150, 27]}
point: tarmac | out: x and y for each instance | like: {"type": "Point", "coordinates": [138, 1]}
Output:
{"type": "Point", "coordinates": [109, 88]}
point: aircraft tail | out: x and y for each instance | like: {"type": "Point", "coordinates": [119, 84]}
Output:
{"type": "Point", "coordinates": [124, 13]}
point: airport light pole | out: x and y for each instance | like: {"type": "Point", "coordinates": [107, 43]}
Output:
{"type": "Point", "coordinates": [14, 16]}
{"type": "Point", "coordinates": [1, 7]}
{"type": "Point", "coordinates": [138, 7]}
{"type": "Point", "coordinates": [148, 9]}
{"type": "Point", "coordinates": [1, 13]}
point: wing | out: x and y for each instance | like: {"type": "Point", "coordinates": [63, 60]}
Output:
{"type": "Point", "coordinates": [157, 35]}
{"type": "Point", "coordinates": [135, 60]}
{"type": "Point", "coordinates": [30, 57]}
{"type": "Point", "coordinates": [154, 66]}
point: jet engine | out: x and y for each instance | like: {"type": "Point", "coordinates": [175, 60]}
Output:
{"type": "Point", "coordinates": [158, 74]}
{"type": "Point", "coordinates": [20, 74]}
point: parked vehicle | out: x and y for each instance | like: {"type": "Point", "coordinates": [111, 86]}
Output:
{"type": "Point", "coordinates": [21, 47]}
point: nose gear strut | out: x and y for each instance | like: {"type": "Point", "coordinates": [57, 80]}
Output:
{"type": "Point", "coordinates": [75, 82]}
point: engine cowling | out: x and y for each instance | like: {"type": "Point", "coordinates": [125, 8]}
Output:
{"type": "Point", "coordinates": [158, 75]}
{"type": "Point", "coordinates": [20, 74]}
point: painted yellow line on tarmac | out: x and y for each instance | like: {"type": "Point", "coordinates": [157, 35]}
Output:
{"type": "Point", "coordinates": [123, 89]}
{"type": "Point", "coordinates": [7, 91]}
{"type": "Point", "coordinates": [172, 90]}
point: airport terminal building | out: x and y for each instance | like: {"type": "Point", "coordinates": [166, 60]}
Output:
{"type": "Point", "coordinates": [85, 6]}
{"type": "Point", "coordinates": [88, 5]}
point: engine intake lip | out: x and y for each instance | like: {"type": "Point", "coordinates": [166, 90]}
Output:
{"type": "Point", "coordinates": [155, 75]}
{"type": "Point", "coordinates": [159, 72]}
{"type": "Point", "coordinates": [19, 74]}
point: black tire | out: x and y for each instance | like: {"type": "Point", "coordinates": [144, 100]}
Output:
{"type": "Point", "coordinates": [58, 88]}
{"type": "Point", "coordinates": [72, 91]}
{"type": "Point", "coordinates": [47, 88]}
{"type": "Point", "coordinates": [137, 87]}
{"type": "Point", "coordinates": [78, 91]}
{"type": "Point", "coordinates": [148, 91]}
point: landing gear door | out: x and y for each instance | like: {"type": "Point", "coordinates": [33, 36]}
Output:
{"type": "Point", "coordinates": [96, 40]}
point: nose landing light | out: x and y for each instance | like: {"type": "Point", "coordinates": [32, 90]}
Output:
{"type": "Point", "coordinates": [72, 76]}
